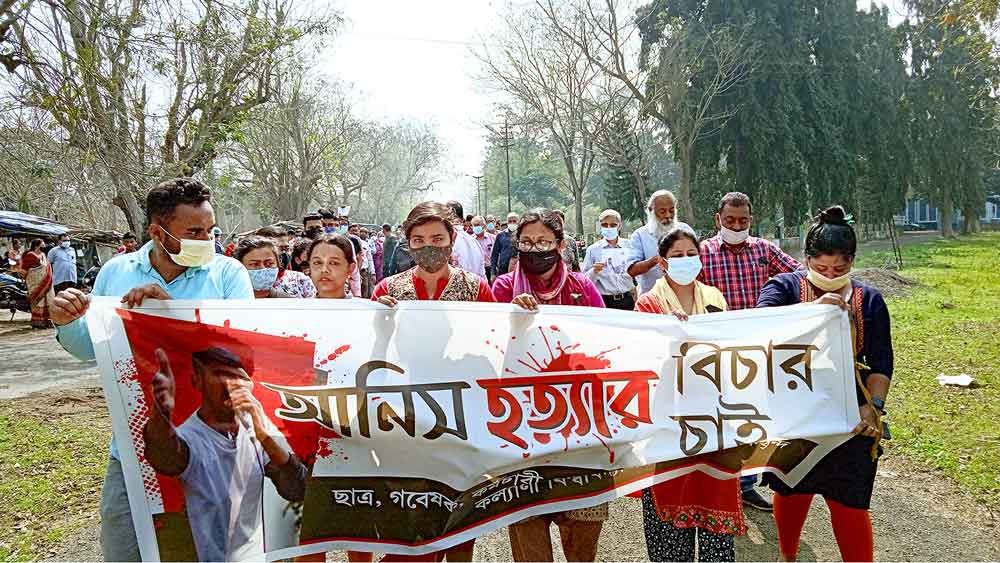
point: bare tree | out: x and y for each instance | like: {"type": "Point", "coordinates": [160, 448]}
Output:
{"type": "Point", "coordinates": [92, 66]}
{"type": "Point", "coordinates": [289, 146]}
{"type": "Point", "coordinates": [362, 147]}
{"type": "Point", "coordinates": [664, 89]}
{"type": "Point", "coordinates": [44, 175]}
{"type": "Point", "coordinates": [545, 70]}
{"type": "Point", "coordinates": [405, 171]}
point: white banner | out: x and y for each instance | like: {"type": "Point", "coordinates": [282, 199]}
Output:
{"type": "Point", "coordinates": [425, 426]}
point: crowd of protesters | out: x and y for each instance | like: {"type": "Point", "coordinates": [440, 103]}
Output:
{"type": "Point", "coordinates": [440, 253]}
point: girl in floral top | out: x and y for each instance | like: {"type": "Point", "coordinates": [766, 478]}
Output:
{"type": "Point", "coordinates": [260, 257]}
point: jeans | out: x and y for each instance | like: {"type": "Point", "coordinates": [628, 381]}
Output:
{"type": "Point", "coordinates": [118, 540]}
{"type": "Point", "coordinates": [747, 482]}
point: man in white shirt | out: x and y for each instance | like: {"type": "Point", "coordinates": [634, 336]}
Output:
{"type": "Point", "coordinates": [466, 253]}
{"type": "Point", "coordinates": [605, 263]}
{"type": "Point", "coordinates": [643, 258]}
{"type": "Point", "coordinates": [227, 446]}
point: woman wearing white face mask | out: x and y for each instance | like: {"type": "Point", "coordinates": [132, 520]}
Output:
{"type": "Point", "coordinates": [844, 478]}
{"type": "Point", "coordinates": [260, 257]}
{"type": "Point", "coordinates": [694, 510]}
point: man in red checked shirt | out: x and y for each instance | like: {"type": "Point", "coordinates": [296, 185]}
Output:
{"type": "Point", "coordinates": [739, 265]}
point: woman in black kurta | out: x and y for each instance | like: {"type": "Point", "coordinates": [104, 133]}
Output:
{"type": "Point", "coordinates": [846, 476]}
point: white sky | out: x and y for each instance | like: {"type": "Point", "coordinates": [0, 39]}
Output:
{"type": "Point", "coordinates": [411, 58]}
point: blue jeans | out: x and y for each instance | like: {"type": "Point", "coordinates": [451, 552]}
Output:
{"type": "Point", "coordinates": [747, 482]}
{"type": "Point", "coordinates": [118, 541]}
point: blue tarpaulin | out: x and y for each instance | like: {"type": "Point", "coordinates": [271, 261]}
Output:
{"type": "Point", "coordinates": [15, 223]}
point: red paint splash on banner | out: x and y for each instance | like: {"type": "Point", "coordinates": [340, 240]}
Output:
{"type": "Point", "coordinates": [283, 360]}
{"type": "Point", "coordinates": [338, 352]}
{"type": "Point", "coordinates": [567, 359]}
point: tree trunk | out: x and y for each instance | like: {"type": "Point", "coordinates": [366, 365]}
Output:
{"type": "Point", "coordinates": [126, 201]}
{"type": "Point", "coordinates": [685, 212]}
{"type": "Point", "coordinates": [946, 212]}
{"type": "Point", "coordinates": [578, 210]}
{"type": "Point", "coordinates": [971, 222]}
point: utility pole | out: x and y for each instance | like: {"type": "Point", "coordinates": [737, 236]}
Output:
{"type": "Point", "coordinates": [506, 149]}
{"type": "Point", "coordinates": [505, 140]}
{"type": "Point", "coordinates": [486, 198]}
{"type": "Point", "coordinates": [479, 195]}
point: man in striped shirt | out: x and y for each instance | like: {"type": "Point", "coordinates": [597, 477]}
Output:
{"type": "Point", "coordinates": [739, 265]}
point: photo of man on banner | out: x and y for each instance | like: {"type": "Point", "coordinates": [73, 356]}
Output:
{"type": "Point", "coordinates": [220, 455]}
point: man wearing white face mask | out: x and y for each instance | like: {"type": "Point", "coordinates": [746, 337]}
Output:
{"type": "Point", "coordinates": [605, 263]}
{"type": "Point", "coordinates": [643, 260]}
{"type": "Point", "coordinates": [739, 265]}
{"type": "Point", "coordinates": [178, 263]}
{"type": "Point", "coordinates": [62, 257]}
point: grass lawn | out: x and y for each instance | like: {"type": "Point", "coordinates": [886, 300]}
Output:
{"type": "Point", "coordinates": [954, 430]}
{"type": "Point", "coordinates": [52, 472]}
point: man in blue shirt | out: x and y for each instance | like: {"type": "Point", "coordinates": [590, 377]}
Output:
{"type": "Point", "coordinates": [504, 247]}
{"type": "Point", "coordinates": [643, 255]}
{"type": "Point", "coordinates": [179, 262]}
{"type": "Point", "coordinates": [62, 257]}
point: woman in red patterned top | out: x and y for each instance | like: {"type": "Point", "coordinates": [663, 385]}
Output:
{"type": "Point", "coordinates": [430, 234]}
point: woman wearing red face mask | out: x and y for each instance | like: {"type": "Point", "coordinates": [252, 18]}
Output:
{"type": "Point", "coordinates": [431, 234]}
{"type": "Point", "coordinates": [542, 277]}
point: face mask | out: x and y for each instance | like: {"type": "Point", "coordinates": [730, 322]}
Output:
{"type": "Point", "coordinates": [734, 237]}
{"type": "Point", "coordinates": [313, 232]}
{"type": "Point", "coordinates": [330, 230]}
{"type": "Point", "coordinates": [342, 230]}
{"type": "Point", "coordinates": [512, 227]}
{"type": "Point", "coordinates": [286, 260]}
{"type": "Point", "coordinates": [828, 284]}
{"type": "Point", "coordinates": [684, 270]}
{"type": "Point", "coordinates": [477, 230]}
{"type": "Point", "coordinates": [65, 244]}
{"type": "Point", "coordinates": [537, 263]}
{"type": "Point", "coordinates": [194, 253]}
{"type": "Point", "coordinates": [491, 226]}
{"type": "Point", "coordinates": [609, 233]}
{"type": "Point", "coordinates": [263, 278]}
{"type": "Point", "coordinates": [431, 258]}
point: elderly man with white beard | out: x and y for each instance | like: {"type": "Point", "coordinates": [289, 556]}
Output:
{"type": "Point", "coordinates": [643, 256]}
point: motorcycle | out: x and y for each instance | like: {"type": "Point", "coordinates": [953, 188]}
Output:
{"type": "Point", "coordinates": [13, 294]}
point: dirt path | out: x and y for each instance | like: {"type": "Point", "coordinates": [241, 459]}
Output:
{"type": "Point", "coordinates": [31, 360]}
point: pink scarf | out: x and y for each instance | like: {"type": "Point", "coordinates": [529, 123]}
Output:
{"type": "Point", "coordinates": [555, 295]}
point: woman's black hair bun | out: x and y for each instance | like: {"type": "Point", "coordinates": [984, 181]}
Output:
{"type": "Point", "coordinates": [834, 215]}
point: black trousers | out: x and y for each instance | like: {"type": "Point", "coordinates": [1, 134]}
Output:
{"type": "Point", "coordinates": [623, 301]}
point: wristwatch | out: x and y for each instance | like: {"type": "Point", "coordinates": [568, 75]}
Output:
{"type": "Point", "coordinates": [879, 404]}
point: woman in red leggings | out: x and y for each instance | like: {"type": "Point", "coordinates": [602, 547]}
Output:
{"type": "Point", "coordinates": [846, 476]}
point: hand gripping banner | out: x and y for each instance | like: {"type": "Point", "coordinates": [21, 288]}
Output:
{"type": "Point", "coordinates": [302, 426]}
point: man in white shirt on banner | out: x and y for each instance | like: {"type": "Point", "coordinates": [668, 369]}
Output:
{"type": "Point", "coordinates": [466, 253]}
{"type": "Point", "coordinates": [227, 446]}
{"type": "Point", "coordinates": [605, 263]}
{"type": "Point", "coordinates": [643, 261]}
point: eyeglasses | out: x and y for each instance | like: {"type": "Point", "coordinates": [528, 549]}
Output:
{"type": "Point", "coordinates": [525, 245]}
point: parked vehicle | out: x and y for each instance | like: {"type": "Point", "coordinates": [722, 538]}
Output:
{"type": "Point", "coordinates": [13, 294]}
